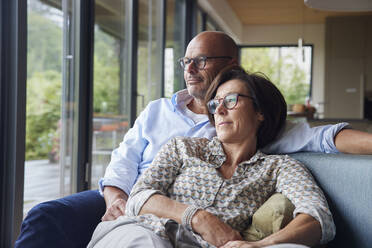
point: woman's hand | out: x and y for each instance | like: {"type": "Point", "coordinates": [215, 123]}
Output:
{"type": "Point", "coordinates": [212, 229]}
{"type": "Point", "coordinates": [241, 244]}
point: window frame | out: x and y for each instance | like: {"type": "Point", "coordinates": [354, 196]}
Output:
{"type": "Point", "coordinates": [13, 68]}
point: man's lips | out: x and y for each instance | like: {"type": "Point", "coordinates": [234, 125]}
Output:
{"type": "Point", "coordinates": [194, 80]}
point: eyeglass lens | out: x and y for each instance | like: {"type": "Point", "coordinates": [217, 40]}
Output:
{"type": "Point", "coordinates": [228, 102]}
{"type": "Point", "coordinates": [198, 61]}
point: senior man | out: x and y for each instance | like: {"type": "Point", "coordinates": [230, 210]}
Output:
{"type": "Point", "coordinates": [185, 115]}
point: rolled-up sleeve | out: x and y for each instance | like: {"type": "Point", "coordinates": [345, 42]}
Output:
{"type": "Point", "coordinates": [156, 179]}
{"type": "Point", "coordinates": [122, 170]}
{"type": "Point", "coordinates": [297, 184]}
{"type": "Point", "coordinates": [300, 137]}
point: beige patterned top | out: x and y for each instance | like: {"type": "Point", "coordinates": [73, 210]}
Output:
{"type": "Point", "coordinates": [185, 171]}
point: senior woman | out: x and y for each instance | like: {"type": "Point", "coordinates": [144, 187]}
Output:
{"type": "Point", "coordinates": [211, 188]}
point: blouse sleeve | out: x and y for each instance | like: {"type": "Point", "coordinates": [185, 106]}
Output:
{"type": "Point", "coordinates": [297, 184]}
{"type": "Point", "coordinates": [156, 179]}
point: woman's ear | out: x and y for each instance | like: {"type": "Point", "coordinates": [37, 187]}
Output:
{"type": "Point", "coordinates": [260, 117]}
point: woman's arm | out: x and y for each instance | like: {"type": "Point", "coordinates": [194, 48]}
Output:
{"type": "Point", "coordinates": [303, 229]}
{"type": "Point", "coordinates": [207, 225]}
{"type": "Point", "coordinates": [296, 183]}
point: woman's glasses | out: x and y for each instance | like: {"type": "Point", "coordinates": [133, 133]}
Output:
{"type": "Point", "coordinates": [229, 102]}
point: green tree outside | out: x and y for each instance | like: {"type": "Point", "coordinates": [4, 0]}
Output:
{"type": "Point", "coordinates": [283, 71]}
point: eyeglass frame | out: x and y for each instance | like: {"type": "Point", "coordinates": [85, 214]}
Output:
{"type": "Point", "coordinates": [223, 102]}
{"type": "Point", "coordinates": [204, 59]}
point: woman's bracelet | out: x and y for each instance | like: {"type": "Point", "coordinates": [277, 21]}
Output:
{"type": "Point", "coordinates": [187, 216]}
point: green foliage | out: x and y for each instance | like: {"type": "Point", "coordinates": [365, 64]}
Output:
{"type": "Point", "coordinates": [43, 112]}
{"type": "Point", "coordinates": [44, 45]}
{"type": "Point", "coordinates": [106, 74]}
{"type": "Point", "coordinates": [44, 81]}
{"type": "Point", "coordinates": [283, 71]}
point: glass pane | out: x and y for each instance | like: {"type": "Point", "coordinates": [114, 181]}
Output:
{"type": "Point", "coordinates": [288, 67]}
{"type": "Point", "coordinates": [111, 97]}
{"type": "Point", "coordinates": [52, 109]}
{"type": "Point", "coordinates": [44, 91]}
{"type": "Point", "coordinates": [173, 74]}
{"type": "Point", "coordinates": [149, 82]}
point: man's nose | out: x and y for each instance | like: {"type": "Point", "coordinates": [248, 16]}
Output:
{"type": "Point", "coordinates": [191, 67]}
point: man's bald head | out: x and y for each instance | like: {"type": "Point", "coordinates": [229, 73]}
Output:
{"type": "Point", "coordinates": [220, 42]}
{"type": "Point", "coordinates": [219, 50]}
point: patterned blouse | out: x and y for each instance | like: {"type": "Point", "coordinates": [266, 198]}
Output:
{"type": "Point", "coordinates": [185, 170]}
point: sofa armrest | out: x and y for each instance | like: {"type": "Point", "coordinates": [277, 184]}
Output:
{"type": "Point", "coordinates": [347, 183]}
{"type": "Point", "coordinates": [65, 222]}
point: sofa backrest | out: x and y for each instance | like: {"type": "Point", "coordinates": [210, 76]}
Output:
{"type": "Point", "coordinates": [347, 183]}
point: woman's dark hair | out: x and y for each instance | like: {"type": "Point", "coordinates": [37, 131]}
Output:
{"type": "Point", "coordinates": [267, 100]}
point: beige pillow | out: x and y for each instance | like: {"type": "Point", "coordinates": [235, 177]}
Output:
{"type": "Point", "coordinates": [273, 215]}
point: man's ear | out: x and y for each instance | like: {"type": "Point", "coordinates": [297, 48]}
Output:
{"type": "Point", "coordinates": [234, 62]}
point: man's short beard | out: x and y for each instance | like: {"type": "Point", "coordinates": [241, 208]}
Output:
{"type": "Point", "coordinates": [198, 95]}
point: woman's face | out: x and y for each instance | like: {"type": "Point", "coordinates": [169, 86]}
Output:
{"type": "Point", "coordinates": [239, 124]}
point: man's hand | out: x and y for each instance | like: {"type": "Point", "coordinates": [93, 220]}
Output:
{"type": "Point", "coordinates": [212, 229]}
{"type": "Point", "coordinates": [115, 199]}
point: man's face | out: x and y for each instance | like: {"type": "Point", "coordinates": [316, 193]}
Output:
{"type": "Point", "coordinates": [197, 79]}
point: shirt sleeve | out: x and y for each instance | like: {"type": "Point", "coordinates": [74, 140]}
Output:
{"type": "Point", "coordinates": [156, 179]}
{"type": "Point", "coordinates": [122, 170]}
{"type": "Point", "coordinates": [300, 137]}
{"type": "Point", "coordinates": [297, 184]}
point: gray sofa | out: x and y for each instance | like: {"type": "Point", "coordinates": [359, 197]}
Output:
{"type": "Point", "coordinates": [345, 179]}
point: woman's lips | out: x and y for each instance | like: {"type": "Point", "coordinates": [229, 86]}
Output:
{"type": "Point", "coordinates": [224, 123]}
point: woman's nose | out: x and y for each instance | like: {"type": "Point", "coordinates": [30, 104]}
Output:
{"type": "Point", "coordinates": [221, 110]}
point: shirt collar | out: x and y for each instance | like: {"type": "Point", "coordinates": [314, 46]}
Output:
{"type": "Point", "coordinates": [181, 98]}
{"type": "Point", "coordinates": [218, 156]}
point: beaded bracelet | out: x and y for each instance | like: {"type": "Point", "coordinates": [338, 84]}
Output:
{"type": "Point", "coordinates": [187, 216]}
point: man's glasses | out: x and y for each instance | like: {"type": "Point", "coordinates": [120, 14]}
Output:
{"type": "Point", "coordinates": [229, 102]}
{"type": "Point", "coordinates": [199, 61]}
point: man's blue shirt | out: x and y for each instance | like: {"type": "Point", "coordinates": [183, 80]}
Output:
{"type": "Point", "coordinates": [164, 119]}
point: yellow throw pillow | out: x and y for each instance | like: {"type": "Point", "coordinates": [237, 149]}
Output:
{"type": "Point", "coordinates": [272, 216]}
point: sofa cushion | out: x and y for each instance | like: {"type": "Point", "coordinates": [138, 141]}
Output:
{"type": "Point", "coordinates": [272, 216]}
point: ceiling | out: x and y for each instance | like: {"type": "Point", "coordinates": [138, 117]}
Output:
{"type": "Point", "coordinates": [271, 12]}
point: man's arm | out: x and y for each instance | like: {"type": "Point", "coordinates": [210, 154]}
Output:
{"type": "Point", "coordinates": [122, 171]}
{"type": "Point", "coordinates": [354, 141]}
{"type": "Point", "coordinates": [115, 199]}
